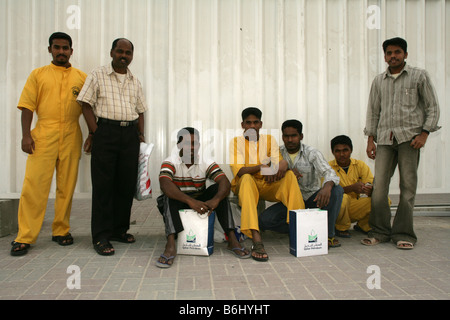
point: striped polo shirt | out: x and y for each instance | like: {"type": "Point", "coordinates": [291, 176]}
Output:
{"type": "Point", "coordinates": [190, 180]}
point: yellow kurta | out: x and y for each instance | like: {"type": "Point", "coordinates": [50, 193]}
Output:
{"type": "Point", "coordinates": [250, 188]}
{"type": "Point", "coordinates": [354, 208]}
{"type": "Point", "coordinates": [51, 92]}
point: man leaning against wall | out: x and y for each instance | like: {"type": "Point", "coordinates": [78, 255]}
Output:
{"type": "Point", "coordinates": [402, 111]}
{"type": "Point", "coordinates": [54, 143]}
{"type": "Point", "coordinates": [113, 106]}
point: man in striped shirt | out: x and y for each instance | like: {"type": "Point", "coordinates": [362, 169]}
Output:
{"type": "Point", "coordinates": [182, 180]}
{"type": "Point", "coordinates": [309, 166]}
{"type": "Point", "coordinates": [402, 111]}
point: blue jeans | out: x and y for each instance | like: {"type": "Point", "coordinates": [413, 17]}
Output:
{"type": "Point", "coordinates": [274, 217]}
{"type": "Point", "coordinates": [407, 158]}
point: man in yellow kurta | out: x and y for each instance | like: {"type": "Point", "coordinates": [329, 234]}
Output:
{"type": "Point", "coordinates": [54, 143]}
{"type": "Point", "coordinates": [260, 172]}
{"type": "Point", "coordinates": [356, 179]}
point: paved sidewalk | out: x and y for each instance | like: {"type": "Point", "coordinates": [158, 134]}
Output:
{"type": "Point", "coordinates": [131, 274]}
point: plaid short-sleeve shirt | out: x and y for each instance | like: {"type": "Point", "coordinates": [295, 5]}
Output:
{"type": "Point", "coordinates": [113, 98]}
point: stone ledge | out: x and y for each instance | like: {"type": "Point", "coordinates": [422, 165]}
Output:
{"type": "Point", "coordinates": [8, 216]}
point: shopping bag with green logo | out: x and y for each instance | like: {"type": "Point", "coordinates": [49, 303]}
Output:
{"type": "Point", "coordinates": [197, 238]}
{"type": "Point", "coordinates": [308, 232]}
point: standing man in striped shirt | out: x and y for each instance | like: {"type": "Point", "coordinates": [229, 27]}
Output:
{"type": "Point", "coordinates": [402, 111]}
{"type": "Point", "coordinates": [113, 106]}
{"type": "Point", "coordinates": [182, 180]}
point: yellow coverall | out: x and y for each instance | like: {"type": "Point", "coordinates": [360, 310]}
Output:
{"type": "Point", "coordinates": [51, 91]}
{"type": "Point", "coordinates": [251, 187]}
{"type": "Point", "coordinates": [354, 208]}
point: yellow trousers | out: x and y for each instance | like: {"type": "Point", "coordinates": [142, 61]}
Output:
{"type": "Point", "coordinates": [354, 210]}
{"type": "Point", "coordinates": [250, 190]}
{"type": "Point", "coordinates": [56, 148]}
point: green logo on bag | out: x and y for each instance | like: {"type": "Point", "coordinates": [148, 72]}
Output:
{"type": "Point", "coordinates": [312, 237]}
{"type": "Point", "coordinates": [191, 237]}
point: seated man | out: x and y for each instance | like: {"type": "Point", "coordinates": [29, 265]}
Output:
{"type": "Point", "coordinates": [356, 179]}
{"type": "Point", "coordinates": [260, 172]}
{"type": "Point", "coordinates": [308, 165]}
{"type": "Point", "coordinates": [183, 182]}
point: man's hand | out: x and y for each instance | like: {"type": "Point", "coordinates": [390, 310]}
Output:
{"type": "Point", "coordinates": [200, 206]}
{"type": "Point", "coordinates": [371, 149]}
{"type": "Point", "coordinates": [298, 175]}
{"type": "Point", "coordinates": [87, 147]}
{"type": "Point", "coordinates": [323, 196]}
{"type": "Point", "coordinates": [419, 141]}
{"type": "Point", "coordinates": [28, 144]}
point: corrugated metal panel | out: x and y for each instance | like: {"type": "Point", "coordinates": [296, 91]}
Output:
{"type": "Point", "coordinates": [202, 61]}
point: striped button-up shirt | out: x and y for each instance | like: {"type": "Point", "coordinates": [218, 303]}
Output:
{"type": "Point", "coordinates": [312, 165]}
{"type": "Point", "coordinates": [110, 98]}
{"type": "Point", "coordinates": [401, 107]}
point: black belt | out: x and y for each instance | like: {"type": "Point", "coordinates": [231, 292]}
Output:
{"type": "Point", "coordinates": [118, 122]}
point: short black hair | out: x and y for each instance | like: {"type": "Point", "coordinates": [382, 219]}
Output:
{"type": "Point", "coordinates": [114, 44]}
{"type": "Point", "coordinates": [251, 111]}
{"type": "Point", "coordinates": [396, 42]}
{"type": "Point", "coordinates": [59, 35]}
{"type": "Point", "coordinates": [293, 124]}
{"type": "Point", "coordinates": [342, 139]}
{"type": "Point", "coordinates": [187, 130]}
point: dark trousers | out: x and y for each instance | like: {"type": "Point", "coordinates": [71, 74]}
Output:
{"type": "Point", "coordinates": [114, 166]}
{"type": "Point", "coordinates": [274, 217]}
{"type": "Point", "coordinates": [169, 209]}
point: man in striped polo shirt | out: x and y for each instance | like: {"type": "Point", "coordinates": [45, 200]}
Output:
{"type": "Point", "coordinates": [182, 180]}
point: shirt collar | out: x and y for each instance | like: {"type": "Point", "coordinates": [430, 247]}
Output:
{"type": "Point", "coordinates": [387, 73]}
{"type": "Point", "coordinates": [110, 70]}
{"type": "Point", "coordinates": [54, 66]}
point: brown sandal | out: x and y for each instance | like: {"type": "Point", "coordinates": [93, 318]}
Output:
{"type": "Point", "coordinates": [258, 247]}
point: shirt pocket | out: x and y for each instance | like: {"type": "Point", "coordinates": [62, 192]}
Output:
{"type": "Point", "coordinates": [304, 169]}
{"type": "Point", "coordinates": [408, 96]}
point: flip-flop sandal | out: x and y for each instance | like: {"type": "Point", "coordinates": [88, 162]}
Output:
{"type": "Point", "coordinates": [333, 243]}
{"type": "Point", "coordinates": [235, 253]}
{"type": "Point", "coordinates": [258, 247]}
{"type": "Point", "coordinates": [102, 247]}
{"type": "Point", "coordinates": [405, 245]}
{"type": "Point", "coordinates": [370, 241]}
{"type": "Point", "coordinates": [164, 264]}
{"type": "Point", "coordinates": [66, 240]}
{"type": "Point", "coordinates": [124, 237]}
{"type": "Point", "coordinates": [18, 250]}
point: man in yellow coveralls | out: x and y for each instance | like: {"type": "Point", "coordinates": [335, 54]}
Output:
{"type": "Point", "coordinates": [260, 171]}
{"type": "Point", "coordinates": [356, 179]}
{"type": "Point", "coordinates": [55, 142]}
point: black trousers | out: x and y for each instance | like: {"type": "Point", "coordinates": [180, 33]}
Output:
{"type": "Point", "coordinates": [169, 209]}
{"type": "Point", "coordinates": [114, 169]}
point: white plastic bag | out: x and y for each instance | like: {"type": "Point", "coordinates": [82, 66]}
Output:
{"type": "Point", "coordinates": [308, 232]}
{"type": "Point", "coordinates": [197, 238]}
{"type": "Point", "coordinates": [219, 233]}
{"type": "Point", "coordinates": [144, 186]}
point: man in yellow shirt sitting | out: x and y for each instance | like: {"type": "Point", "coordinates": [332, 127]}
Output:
{"type": "Point", "coordinates": [260, 171]}
{"type": "Point", "coordinates": [356, 179]}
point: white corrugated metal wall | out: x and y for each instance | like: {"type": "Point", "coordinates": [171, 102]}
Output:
{"type": "Point", "coordinates": [202, 61]}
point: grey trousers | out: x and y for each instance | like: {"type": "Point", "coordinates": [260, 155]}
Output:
{"type": "Point", "coordinates": [387, 159]}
